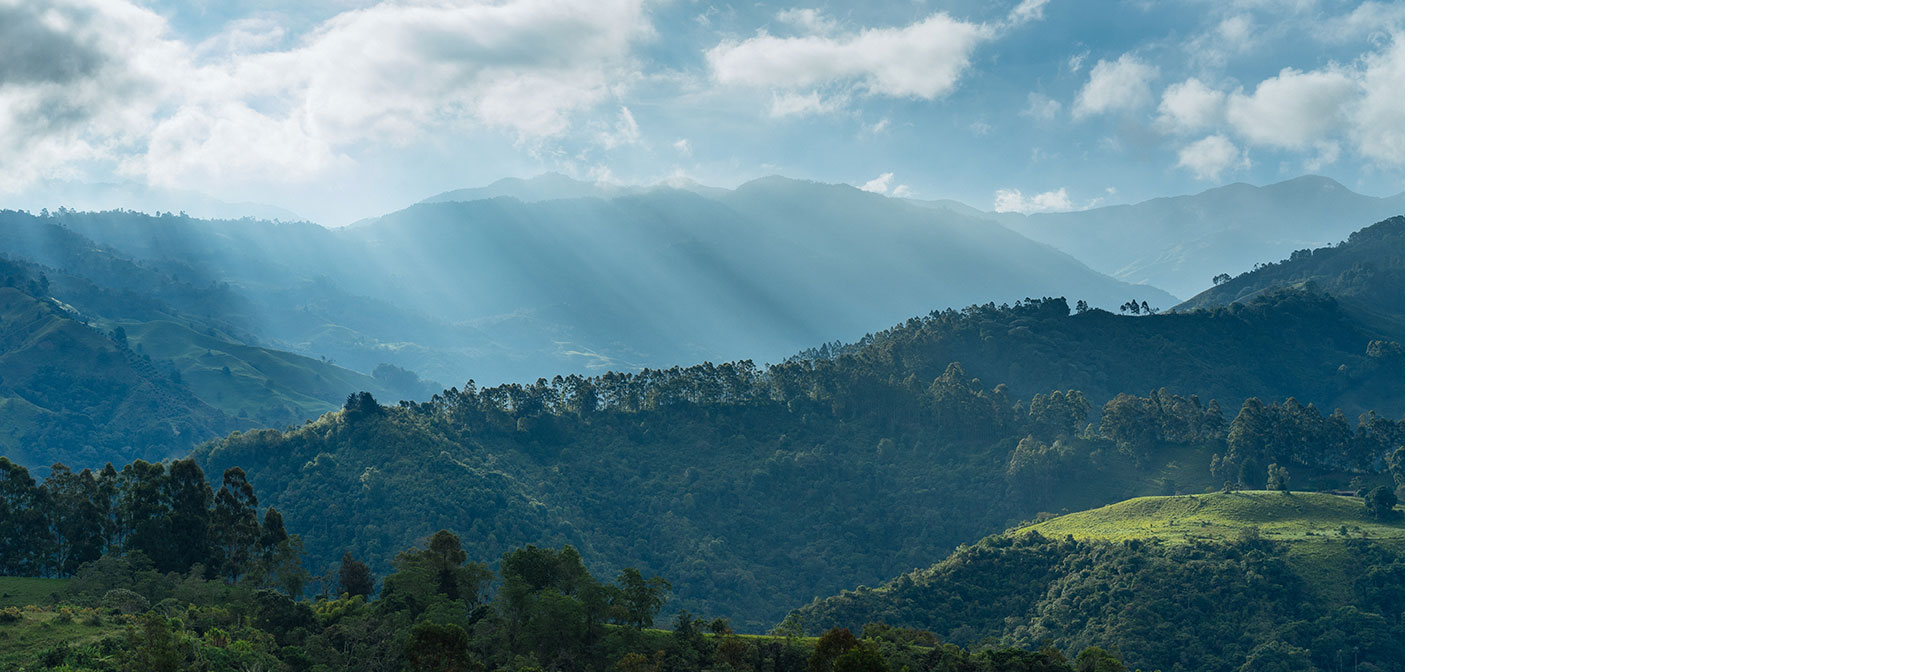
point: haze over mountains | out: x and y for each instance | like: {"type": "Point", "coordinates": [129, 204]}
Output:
{"type": "Point", "coordinates": [1179, 243]}
{"type": "Point", "coordinates": [501, 288]}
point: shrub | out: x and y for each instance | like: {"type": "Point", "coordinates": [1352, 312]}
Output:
{"type": "Point", "coordinates": [124, 601]}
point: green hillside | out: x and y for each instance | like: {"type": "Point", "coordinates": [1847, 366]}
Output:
{"type": "Point", "coordinates": [269, 387]}
{"type": "Point", "coordinates": [1367, 272]}
{"type": "Point", "coordinates": [1223, 516]}
{"type": "Point", "coordinates": [19, 591]}
{"type": "Point", "coordinates": [1215, 582]}
{"type": "Point", "coordinates": [70, 393]}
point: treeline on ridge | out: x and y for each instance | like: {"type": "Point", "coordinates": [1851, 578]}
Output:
{"type": "Point", "coordinates": [758, 487]}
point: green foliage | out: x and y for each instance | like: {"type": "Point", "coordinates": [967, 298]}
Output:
{"type": "Point", "coordinates": [1367, 271]}
{"type": "Point", "coordinates": [1199, 606]}
{"type": "Point", "coordinates": [69, 392]}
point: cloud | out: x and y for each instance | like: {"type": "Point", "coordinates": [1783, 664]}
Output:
{"type": "Point", "coordinates": [1208, 156]}
{"type": "Point", "coordinates": [79, 82]}
{"type": "Point", "coordinates": [884, 186]}
{"type": "Point", "coordinates": [1380, 116]}
{"type": "Point", "coordinates": [1011, 200]}
{"type": "Point", "coordinates": [234, 107]}
{"type": "Point", "coordinates": [923, 60]}
{"type": "Point", "coordinates": [1232, 36]}
{"type": "Point", "coordinates": [804, 105]}
{"type": "Point", "coordinates": [808, 21]}
{"type": "Point", "coordinates": [1114, 86]}
{"type": "Point", "coordinates": [684, 146]}
{"type": "Point", "coordinates": [1029, 10]}
{"type": "Point", "coordinates": [1190, 106]}
{"type": "Point", "coordinates": [1041, 107]}
{"type": "Point", "coordinates": [1366, 20]}
{"type": "Point", "coordinates": [1294, 109]}
{"type": "Point", "coordinates": [1317, 110]}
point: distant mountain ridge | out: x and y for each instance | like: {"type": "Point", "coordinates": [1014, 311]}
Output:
{"type": "Point", "coordinates": [1179, 243]}
{"type": "Point", "coordinates": [1367, 271]}
{"type": "Point", "coordinates": [547, 276]}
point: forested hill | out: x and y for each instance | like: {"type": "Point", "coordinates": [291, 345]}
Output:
{"type": "Point", "coordinates": [1367, 271]}
{"type": "Point", "coordinates": [69, 392]}
{"type": "Point", "coordinates": [1249, 580]}
{"type": "Point", "coordinates": [141, 365]}
{"type": "Point", "coordinates": [1280, 344]}
{"type": "Point", "coordinates": [759, 488]}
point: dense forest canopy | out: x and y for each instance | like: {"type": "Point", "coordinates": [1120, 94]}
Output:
{"type": "Point", "coordinates": [199, 578]}
{"type": "Point", "coordinates": [543, 525]}
{"type": "Point", "coordinates": [755, 485]}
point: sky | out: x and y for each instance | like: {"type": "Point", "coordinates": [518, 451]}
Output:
{"type": "Point", "coordinates": [341, 109]}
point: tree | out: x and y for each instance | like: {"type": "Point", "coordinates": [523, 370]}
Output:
{"type": "Point", "coordinates": [829, 647]}
{"type": "Point", "coordinates": [1277, 477]}
{"type": "Point", "coordinates": [1380, 502]}
{"type": "Point", "coordinates": [1221, 278]}
{"type": "Point", "coordinates": [438, 647]}
{"type": "Point", "coordinates": [1096, 659]}
{"type": "Point", "coordinates": [861, 659]}
{"type": "Point", "coordinates": [189, 521]}
{"type": "Point", "coordinates": [26, 537]}
{"type": "Point", "coordinates": [355, 577]}
{"type": "Point", "coordinates": [79, 516]}
{"type": "Point", "coordinates": [1080, 306]}
{"type": "Point", "coordinates": [236, 523]}
{"type": "Point", "coordinates": [640, 598]}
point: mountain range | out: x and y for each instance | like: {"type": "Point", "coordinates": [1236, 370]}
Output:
{"type": "Point", "coordinates": [1180, 243]}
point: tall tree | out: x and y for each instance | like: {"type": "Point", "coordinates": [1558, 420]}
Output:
{"type": "Point", "coordinates": [236, 523]}
{"type": "Point", "coordinates": [355, 577]}
{"type": "Point", "coordinates": [79, 517]}
{"type": "Point", "coordinates": [26, 535]}
{"type": "Point", "coordinates": [189, 520]}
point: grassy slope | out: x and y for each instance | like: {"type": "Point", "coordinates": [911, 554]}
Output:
{"type": "Point", "coordinates": [22, 642]}
{"type": "Point", "coordinates": [1222, 516]}
{"type": "Point", "coordinates": [264, 384]}
{"type": "Point", "coordinates": [115, 407]}
{"type": "Point", "coordinates": [1315, 525]}
{"type": "Point", "coordinates": [18, 591]}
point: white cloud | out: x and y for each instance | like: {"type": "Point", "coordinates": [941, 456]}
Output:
{"type": "Point", "coordinates": [808, 21]}
{"type": "Point", "coordinates": [1116, 85]}
{"type": "Point", "coordinates": [79, 81]}
{"type": "Point", "coordinates": [923, 60]}
{"type": "Point", "coordinates": [1029, 10]}
{"type": "Point", "coordinates": [1294, 109]}
{"type": "Point", "coordinates": [1366, 20]}
{"type": "Point", "coordinates": [1190, 106]}
{"type": "Point", "coordinates": [1041, 107]}
{"type": "Point", "coordinates": [625, 131]}
{"type": "Point", "coordinates": [883, 185]}
{"type": "Point", "coordinates": [684, 146]}
{"type": "Point", "coordinates": [1232, 36]}
{"type": "Point", "coordinates": [236, 108]}
{"type": "Point", "coordinates": [980, 128]}
{"type": "Point", "coordinates": [880, 126]}
{"type": "Point", "coordinates": [1380, 116]}
{"type": "Point", "coordinates": [1208, 156]}
{"type": "Point", "coordinates": [804, 105]}
{"type": "Point", "coordinates": [1011, 200]}
{"type": "Point", "coordinates": [1318, 110]}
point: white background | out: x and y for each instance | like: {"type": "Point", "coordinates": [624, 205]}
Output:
{"type": "Point", "coordinates": [1662, 347]}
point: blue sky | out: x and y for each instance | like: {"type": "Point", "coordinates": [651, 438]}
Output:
{"type": "Point", "coordinates": [339, 110]}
